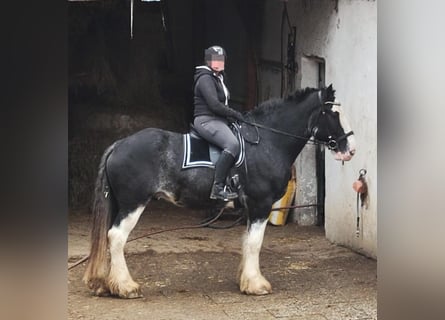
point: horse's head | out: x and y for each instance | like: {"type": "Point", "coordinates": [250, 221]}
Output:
{"type": "Point", "coordinates": [329, 124]}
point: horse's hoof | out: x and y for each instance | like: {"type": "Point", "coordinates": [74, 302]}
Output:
{"type": "Point", "coordinates": [102, 292]}
{"type": "Point", "coordinates": [258, 291]}
{"type": "Point", "coordinates": [135, 295]}
{"type": "Point", "coordinates": [131, 290]}
{"type": "Point", "coordinates": [258, 286]}
{"type": "Point", "coordinates": [98, 287]}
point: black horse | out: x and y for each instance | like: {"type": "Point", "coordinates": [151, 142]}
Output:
{"type": "Point", "coordinates": [147, 165]}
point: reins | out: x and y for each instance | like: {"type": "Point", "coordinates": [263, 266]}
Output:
{"type": "Point", "coordinates": [332, 144]}
{"type": "Point", "coordinates": [258, 125]}
{"type": "Point", "coordinates": [275, 130]}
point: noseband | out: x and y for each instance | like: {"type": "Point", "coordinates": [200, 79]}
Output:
{"type": "Point", "coordinates": [332, 144]}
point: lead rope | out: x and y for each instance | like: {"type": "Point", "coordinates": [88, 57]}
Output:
{"type": "Point", "coordinates": [201, 225]}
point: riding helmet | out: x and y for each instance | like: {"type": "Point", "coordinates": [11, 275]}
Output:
{"type": "Point", "coordinates": [214, 53]}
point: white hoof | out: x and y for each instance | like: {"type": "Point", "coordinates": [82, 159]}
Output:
{"type": "Point", "coordinates": [257, 285]}
{"type": "Point", "coordinates": [126, 290]}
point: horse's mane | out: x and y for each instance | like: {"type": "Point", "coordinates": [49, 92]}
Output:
{"type": "Point", "coordinates": [268, 106]}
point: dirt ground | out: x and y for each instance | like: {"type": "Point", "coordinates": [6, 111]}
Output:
{"type": "Point", "coordinates": [191, 274]}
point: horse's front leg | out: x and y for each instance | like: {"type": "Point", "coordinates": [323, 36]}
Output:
{"type": "Point", "coordinates": [251, 280]}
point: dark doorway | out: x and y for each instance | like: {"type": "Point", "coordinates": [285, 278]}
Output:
{"type": "Point", "coordinates": [313, 74]}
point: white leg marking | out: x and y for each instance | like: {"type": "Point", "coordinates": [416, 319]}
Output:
{"type": "Point", "coordinates": [251, 279]}
{"type": "Point", "coordinates": [251, 248]}
{"type": "Point", "coordinates": [120, 280]}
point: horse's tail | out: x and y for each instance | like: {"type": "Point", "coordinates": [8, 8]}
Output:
{"type": "Point", "coordinates": [97, 268]}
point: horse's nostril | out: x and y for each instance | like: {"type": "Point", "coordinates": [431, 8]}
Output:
{"type": "Point", "coordinates": [352, 152]}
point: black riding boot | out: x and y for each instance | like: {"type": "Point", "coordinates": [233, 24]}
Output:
{"type": "Point", "coordinates": [219, 189]}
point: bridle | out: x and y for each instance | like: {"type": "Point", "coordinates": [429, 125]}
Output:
{"type": "Point", "coordinates": [331, 144]}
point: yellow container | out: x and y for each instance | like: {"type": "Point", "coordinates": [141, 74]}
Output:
{"type": "Point", "coordinates": [279, 217]}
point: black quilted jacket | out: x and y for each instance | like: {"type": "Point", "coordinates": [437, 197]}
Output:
{"type": "Point", "coordinates": [209, 96]}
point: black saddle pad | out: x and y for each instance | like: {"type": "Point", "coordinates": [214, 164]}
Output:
{"type": "Point", "coordinates": [199, 153]}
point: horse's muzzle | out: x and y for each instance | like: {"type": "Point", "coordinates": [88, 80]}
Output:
{"type": "Point", "coordinates": [344, 156]}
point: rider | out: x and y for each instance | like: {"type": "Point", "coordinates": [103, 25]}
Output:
{"type": "Point", "coordinates": [212, 115]}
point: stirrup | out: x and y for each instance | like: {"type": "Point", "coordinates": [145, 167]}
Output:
{"type": "Point", "coordinates": [230, 195]}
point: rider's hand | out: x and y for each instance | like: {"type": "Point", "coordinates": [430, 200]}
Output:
{"type": "Point", "coordinates": [236, 116]}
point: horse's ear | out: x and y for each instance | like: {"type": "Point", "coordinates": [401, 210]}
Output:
{"type": "Point", "coordinates": [330, 93]}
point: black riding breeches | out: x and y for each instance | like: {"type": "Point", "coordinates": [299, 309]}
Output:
{"type": "Point", "coordinates": [216, 131]}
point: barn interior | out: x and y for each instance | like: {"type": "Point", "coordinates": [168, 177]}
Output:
{"type": "Point", "coordinates": [131, 66]}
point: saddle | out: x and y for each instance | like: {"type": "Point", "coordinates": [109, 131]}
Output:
{"type": "Point", "coordinates": [198, 152]}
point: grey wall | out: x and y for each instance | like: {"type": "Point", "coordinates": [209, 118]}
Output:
{"type": "Point", "coordinates": [353, 69]}
{"type": "Point", "coordinates": [344, 34]}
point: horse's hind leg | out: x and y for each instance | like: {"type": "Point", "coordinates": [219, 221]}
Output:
{"type": "Point", "coordinates": [251, 280]}
{"type": "Point", "coordinates": [119, 279]}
